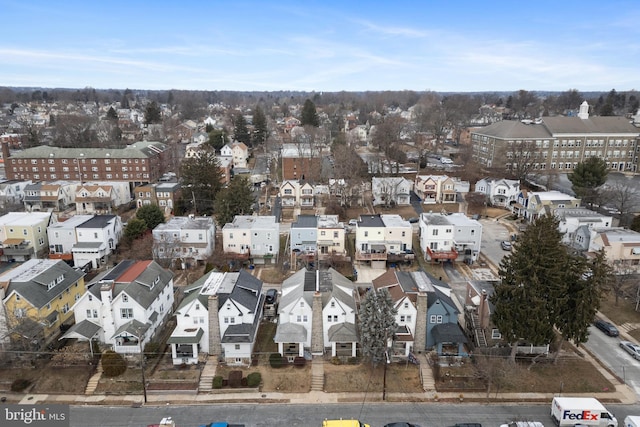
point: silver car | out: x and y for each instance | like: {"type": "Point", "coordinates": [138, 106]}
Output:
{"type": "Point", "coordinates": [631, 348]}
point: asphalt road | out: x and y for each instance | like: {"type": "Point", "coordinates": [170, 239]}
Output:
{"type": "Point", "coordinates": [608, 350]}
{"type": "Point", "coordinates": [275, 415]}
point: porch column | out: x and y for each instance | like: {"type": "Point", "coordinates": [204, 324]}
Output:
{"type": "Point", "coordinates": [174, 352]}
{"type": "Point", "coordinates": [301, 349]}
{"type": "Point", "coordinates": [194, 350]}
{"type": "Point", "coordinates": [353, 349]}
{"type": "Point", "coordinates": [333, 349]}
{"type": "Point", "coordinates": [281, 348]}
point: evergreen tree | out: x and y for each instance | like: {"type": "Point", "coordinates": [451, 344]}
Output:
{"type": "Point", "coordinates": [377, 324]}
{"type": "Point", "coordinates": [217, 139]}
{"type": "Point", "coordinates": [635, 224]}
{"type": "Point", "coordinates": [309, 114]}
{"type": "Point", "coordinates": [532, 292]}
{"type": "Point", "coordinates": [236, 199]}
{"type": "Point", "coordinates": [260, 131]}
{"type": "Point", "coordinates": [152, 113]}
{"type": "Point", "coordinates": [201, 180]}
{"type": "Point", "coordinates": [134, 229]}
{"type": "Point", "coordinates": [152, 215]}
{"type": "Point", "coordinates": [112, 114]}
{"type": "Point", "coordinates": [587, 177]}
{"type": "Point", "coordinates": [240, 130]}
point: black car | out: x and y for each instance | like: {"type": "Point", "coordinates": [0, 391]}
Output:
{"type": "Point", "coordinates": [401, 424]}
{"type": "Point", "coordinates": [606, 327]}
{"type": "Point", "coordinates": [468, 425]}
{"type": "Point", "coordinates": [271, 296]}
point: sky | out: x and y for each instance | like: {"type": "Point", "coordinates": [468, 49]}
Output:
{"type": "Point", "coordinates": [461, 46]}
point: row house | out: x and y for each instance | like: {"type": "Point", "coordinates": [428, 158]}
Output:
{"type": "Point", "coordinates": [38, 296]}
{"type": "Point", "coordinates": [52, 196]}
{"type": "Point", "coordinates": [427, 317]}
{"type": "Point", "coordinates": [101, 198]}
{"type": "Point", "coordinates": [144, 161]}
{"type": "Point", "coordinates": [621, 248]}
{"type": "Point", "coordinates": [255, 238]}
{"type": "Point", "coordinates": [62, 237]}
{"type": "Point", "coordinates": [162, 194]}
{"type": "Point", "coordinates": [219, 315]}
{"type": "Point", "coordinates": [383, 238]}
{"type": "Point", "coordinates": [576, 224]}
{"type": "Point", "coordinates": [317, 236]}
{"type": "Point", "coordinates": [23, 235]}
{"type": "Point", "coordinates": [317, 313]}
{"type": "Point", "coordinates": [12, 193]}
{"type": "Point", "coordinates": [97, 239]}
{"type": "Point", "coordinates": [124, 307]}
{"type": "Point", "coordinates": [432, 189]}
{"type": "Point", "coordinates": [183, 240]}
{"type": "Point", "coordinates": [390, 191]}
{"type": "Point", "coordinates": [238, 152]}
{"type": "Point", "coordinates": [453, 237]}
{"type": "Point", "coordinates": [558, 144]}
{"type": "Point", "coordinates": [294, 193]}
{"type": "Point", "coordinates": [478, 310]}
{"type": "Point", "coordinates": [499, 192]}
{"type": "Point", "coordinates": [536, 204]}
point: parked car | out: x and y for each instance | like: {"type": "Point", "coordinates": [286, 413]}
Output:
{"type": "Point", "coordinates": [414, 220]}
{"type": "Point", "coordinates": [401, 424]}
{"type": "Point", "coordinates": [505, 245]}
{"type": "Point", "coordinates": [631, 348]}
{"type": "Point", "coordinates": [467, 425]}
{"type": "Point", "coordinates": [271, 297]}
{"type": "Point", "coordinates": [606, 327]}
{"type": "Point", "coordinates": [353, 222]}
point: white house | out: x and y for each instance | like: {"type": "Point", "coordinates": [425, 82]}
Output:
{"type": "Point", "coordinates": [499, 192]}
{"type": "Point", "coordinates": [240, 154]}
{"type": "Point", "coordinates": [331, 235]}
{"type": "Point", "coordinates": [391, 191]}
{"type": "Point", "coordinates": [294, 193]}
{"type": "Point", "coordinates": [252, 237]}
{"type": "Point", "coordinates": [453, 237]}
{"type": "Point", "coordinates": [435, 189]}
{"type": "Point", "coordinates": [219, 315]}
{"type": "Point", "coordinates": [56, 196]}
{"type": "Point", "coordinates": [62, 237]}
{"type": "Point", "coordinates": [97, 238]}
{"type": "Point", "coordinates": [125, 306]}
{"type": "Point", "coordinates": [571, 219]}
{"type": "Point", "coordinates": [12, 192]}
{"type": "Point", "coordinates": [334, 332]}
{"type": "Point", "coordinates": [541, 203]}
{"type": "Point", "coordinates": [382, 238]}
{"type": "Point", "coordinates": [101, 198]}
{"type": "Point", "coordinates": [184, 239]}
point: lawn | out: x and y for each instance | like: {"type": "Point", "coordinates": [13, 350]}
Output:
{"type": "Point", "coordinates": [401, 378]}
{"type": "Point", "coordinates": [49, 379]}
{"type": "Point", "coordinates": [288, 379]}
{"type": "Point", "coordinates": [622, 313]}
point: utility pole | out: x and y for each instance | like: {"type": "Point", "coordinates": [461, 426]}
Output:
{"type": "Point", "coordinates": [144, 381]}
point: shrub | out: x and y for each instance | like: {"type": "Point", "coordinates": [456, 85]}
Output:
{"type": "Point", "coordinates": [235, 378]}
{"type": "Point", "coordinates": [244, 382]}
{"type": "Point", "coordinates": [152, 349]}
{"type": "Point", "coordinates": [275, 360]}
{"type": "Point", "coordinates": [299, 362]}
{"type": "Point", "coordinates": [20, 384]}
{"type": "Point", "coordinates": [113, 364]}
{"type": "Point", "coordinates": [353, 361]}
{"type": "Point", "coordinates": [217, 381]}
{"type": "Point", "coordinates": [254, 379]}
{"type": "Point", "coordinates": [336, 361]}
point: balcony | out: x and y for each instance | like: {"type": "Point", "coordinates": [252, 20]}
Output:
{"type": "Point", "coordinates": [442, 255]}
{"type": "Point", "coordinates": [17, 247]}
{"type": "Point", "coordinates": [401, 256]}
{"type": "Point", "coordinates": [371, 256]}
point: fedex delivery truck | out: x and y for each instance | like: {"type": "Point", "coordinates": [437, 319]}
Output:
{"type": "Point", "coordinates": [632, 421]}
{"type": "Point", "coordinates": [584, 411]}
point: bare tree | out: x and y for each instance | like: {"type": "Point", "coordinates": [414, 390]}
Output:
{"type": "Point", "coordinates": [624, 197]}
{"type": "Point", "coordinates": [622, 279]}
{"type": "Point", "coordinates": [519, 158]}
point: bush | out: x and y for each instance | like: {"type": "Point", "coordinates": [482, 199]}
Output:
{"type": "Point", "coordinates": [20, 384]}
{"type": "Point", "coordinates": [244, 382]}
{"type": "Point", "coordinates": [152, 350]}
{"type": "Point", "coordinates": [254, 379]}
{"type": "Point", "coordinates": [217, 381]}
{"type": "Point", "coordinates": [235, 378]}
{"type": "Point", "coordinates": [336, 361]}
{"type": "Point", "coordinates": [113, 364]}
{"type": "Point", "coordinates": [354, 361]}
{"type": "Point", "coordinates": [275, 360]}
{"type": "Point", "coordinates": [299, 362]}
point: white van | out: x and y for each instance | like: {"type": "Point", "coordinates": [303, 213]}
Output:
{"type": "Point", "coordinates": [446, 161]}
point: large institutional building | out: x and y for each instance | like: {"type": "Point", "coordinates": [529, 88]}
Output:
{"type": "Point", "coordinates": [143, 161]}
{"type": "Point", "coordinates": [560, 143]}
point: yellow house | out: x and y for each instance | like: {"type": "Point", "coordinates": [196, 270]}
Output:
{"type": "Point", "coordinates": [38, 298]}
{"type": "Point", "coordinates": [23, 235]}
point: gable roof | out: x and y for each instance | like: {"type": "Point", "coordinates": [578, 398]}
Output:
{"type": "Point", "coordinates": [98, 221]}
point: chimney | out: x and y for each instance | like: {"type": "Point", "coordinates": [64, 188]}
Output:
{"type": "Point", "coordinates": [5, 151]}
{"type": "Point", "coordinates": [482, 310]}
{"type": "Point", "coordinates": [214, 326]}
{"type": "Point", "coordinates": [420, 338]}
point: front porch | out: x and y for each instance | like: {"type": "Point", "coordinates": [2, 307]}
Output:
{"type": "Point", "coordinates": [185, 345]}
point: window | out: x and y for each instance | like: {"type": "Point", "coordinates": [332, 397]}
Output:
{"type": "Point", "coordinates": [126, 313]}
{"type": "Point", "coordinates": [125, 298]}
{"type": "Point", "coordinates": [226, 320]}
{"type": "Point", "coordinates": [65, 308]}
{"type": "Point", "coordinates": [329, 319]}
{"type": "Point", "coordinates": [435, 232]}
{"type": "Point", "coordinates": [495, 334]}
{"type": "Point", "coordinates": [237, 346]}
{"type": "Point", "coordinates": [299, 318]}
{"type": "Point", "coordinates": [435, 318]}
{"type": "Point", "coordinates": [305, 318]}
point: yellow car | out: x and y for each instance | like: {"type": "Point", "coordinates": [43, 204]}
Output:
{"type": "Point", "coordinates": [343, 423]}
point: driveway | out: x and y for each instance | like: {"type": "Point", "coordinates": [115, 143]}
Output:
{"type": "Point", "coordinates": [416, 202]}
{"type": "Point", "coordinates": [493, 233]}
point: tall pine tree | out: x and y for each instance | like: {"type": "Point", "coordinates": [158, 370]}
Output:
{"type": "Point", "coordinates": [377, 324]}
{"type": "Point", "coordinates": [236, 199]}
{"type": "Point", "coordinates": [260, 130]}
{"type": "Point", "coordinates": [309, 114]}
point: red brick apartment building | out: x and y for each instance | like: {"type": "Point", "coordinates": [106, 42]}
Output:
{"type": "Point", "coordinates": [144, 161]}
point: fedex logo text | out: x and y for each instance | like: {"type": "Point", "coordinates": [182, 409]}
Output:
{"type": "Point", "coordinates": [584, 415]}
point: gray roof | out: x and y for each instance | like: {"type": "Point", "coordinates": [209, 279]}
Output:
{"type": "Point", "coordinates": [370, 221]}
{"type": "Point", "coordinates": [511, 129]}
{"type": "Point", "coordinates": [83, 330]}
{"type": "Point", "coordinates": [290, 332]}
{"type": "Point", "coordinates": [31, 279]}
{"type": "Point", "coordinates": [592, 125]}
{"type": "Point", "coordinates": [305, 221]}
{"type": "Point", "coordinates": [142, 149]}
{"type": "Point", "coordinates": [98, 221]}
{"type": "Point", "coordinates": [448, 333]}
{"type": "Point", "coordinates": [187, 338]}
{"type": "Point", "coordinates": [186, 223]}
{"type": "Point", "coordinates": [141, 288]}
{"type": "Point", "coordinates": [343, 332]}
{"type": "Point", "coordinates": [304, 284]}
{"type": "Point", "coordinates": [132, 327]}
